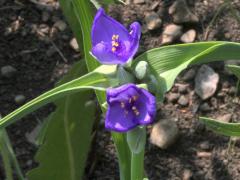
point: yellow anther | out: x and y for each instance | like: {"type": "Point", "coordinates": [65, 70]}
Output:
{"type": "Point", "coordinates": [136, 113]}
{"type": "Point", "coordinates": [113, 49]}
{"type": "Point", "coordinates": [122, 105]}
{"type": "Point", "coordinates": [134, 108]}
{"type": "Point", "coordinates": [115, 37]}
{"type": "Point", "coordinates": [115, 44]}
{"type": "Point", "coordinates": [135, 98]}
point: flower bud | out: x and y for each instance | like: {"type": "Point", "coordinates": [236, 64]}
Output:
{"type": "Point", "coordinates": [136, 139]}
{"type": "Point", "coordinates": [141, 70]}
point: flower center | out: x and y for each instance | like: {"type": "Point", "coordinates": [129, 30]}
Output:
{"type": "Point", "coordinates": [115, 42]}
{"type": "Point", "coordinates": [130, 106]}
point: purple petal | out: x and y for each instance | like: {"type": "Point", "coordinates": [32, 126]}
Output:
{"type": "Point", "coordinates": [135, 34]}
{"type": "Point", "coordinates": [103, 51]}
{"type": "Point", "coordinates": [147, 108]}
{"type": "Point", "coordinates": [117, 120]}
{"type": "Point", "coordinates": [104, 27]}
{"type": "Point", "coordinates": [121, 93]}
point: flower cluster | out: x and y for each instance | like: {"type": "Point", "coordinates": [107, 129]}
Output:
{"type": "Point", "coordinates": [128, 105]}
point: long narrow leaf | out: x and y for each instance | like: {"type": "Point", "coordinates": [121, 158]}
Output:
{"type": "Point", "coordinates": [94, 80]}
{"type": "Point", "coordinates": [227, 129]}
{"type": "Point", "coordinates": [63, 154]}
{"type": "Point", "coordinates": [169, 61]}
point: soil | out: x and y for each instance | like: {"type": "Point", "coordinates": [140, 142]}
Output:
{"type": "Point", "coordinates": [42, 55]}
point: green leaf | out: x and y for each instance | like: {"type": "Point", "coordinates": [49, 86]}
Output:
{"type": "Point", "coordinates": [68, 136]}
{"type": "Point", "coordinates": [94, 80]}
{"type": "Point", "coordinates": [100, 3]}
{"type": "Point", "coordinates": [169, 61]}
{"type": "Point", "coordinates": [234, 69]}
{"type": "Point", "coordinates": [227, 129]}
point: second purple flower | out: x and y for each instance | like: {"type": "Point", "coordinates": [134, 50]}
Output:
{"type": "Point", "coordinates": [112, 43]}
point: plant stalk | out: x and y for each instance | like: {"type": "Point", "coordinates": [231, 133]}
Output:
{"type": "Point", "coordinates": [5, 158]}
{"type": "Point", "coordinates": [137, 166]}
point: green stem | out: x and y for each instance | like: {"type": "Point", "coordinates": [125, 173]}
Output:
{"type": "Point", "coordinates": [12, 155]}
{"type": "Point", "coordinates": [137, 166]}
{"type": "Point", "coordinates": [124, 155]}
{"type": "Point", "coordinates": [5, 158]}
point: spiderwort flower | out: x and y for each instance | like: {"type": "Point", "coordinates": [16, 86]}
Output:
{"type": "Point", "coordinates": [128, 107]}
{"type": "Point", "coordinates": [112, 43]}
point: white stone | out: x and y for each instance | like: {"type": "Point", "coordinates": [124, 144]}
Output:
{"type": "Point", "coordinates": [206, 82]}
{"type": "Point", "coordinates": [189, 36]}
{"type": "Point", "coordinates": [164, 133]}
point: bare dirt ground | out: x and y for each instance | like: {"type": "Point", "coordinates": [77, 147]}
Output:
{"type": "Point", "coordinates": [35, 41]}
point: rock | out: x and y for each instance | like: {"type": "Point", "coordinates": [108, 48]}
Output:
{"type": "Point", "coordinates": [181, 13]}
{"type": "Point", "coordinates": [189, 74]}
{"type": "Point", "coordinates": [154, 5]}
{"type": "Point", "coordinates": [182, 88]}
{"type": "Point", "coordinates": [60, 25]}
{"type": "Point", "coordinates": [74, 45]}
{"type": "Point", "coordinates": [205, 107]}
{"type": "Point", "coordinates": [153, 21]}
{"type": "Point", "coordinates": [173, 97]}
{"type": "Point", "coordinates": [171, 33]}
{"type": "Point", "coordinates": [206, 82]}
{"type": "Point", "coordinates": [204, 145]}
{"type": "Point", "coordinates": [164, 133]}
{"type": "Point", "coordinates": [138, 1]}
{"type": "Point", "coordinates": [187, 174]}
{"type": "Point", "coordinates": [189, 36]}
{"type": "Point", "coordinates": [8, 71]}
{"type": "Point", "coordinates": [19, 99]}
{"type": "Point", "coordinates": [204, 154]}
{"type": "Point", "coordinates": [31, 137]}
{"type": "Point", "coordinates": [45, 16]}
{"type": "Point", "coordinates": [224, 118]}
{"type": "Point", "coordinates": [183, 100]}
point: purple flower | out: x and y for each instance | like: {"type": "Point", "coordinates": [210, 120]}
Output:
{"type": "Point", "coordinates": [112, 43]}
{"type": "Point", "coordinates": [128, 107]}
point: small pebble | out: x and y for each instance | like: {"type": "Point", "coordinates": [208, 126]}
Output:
{"type": "Point", "coordinates": [225, 118]}
{"type": "Point", "coordinates": [189, 36]}
{"type": "Point", "coordinates": [206, 82]}
{"type": "Point", "coordinates": [182, 88]}
{"type": "Point", "coordinates": [204, 145]}
{"type": "Point", "coordinates": [171, 33]}
{"type": "Point", "coordinates": [183, 100]}
{"type": "Point", "coordinates": [164, 133]}
{"type": "Point", "coordinates": [74, 45]}
{"type": "Point", "coordinates": [181, 13]}
{"type": "Point", "coordinates": [60, 25]}
{"type": "Point", "coordinates": [8, 71]}
{"type": "Point", "coordinates": [138, 1]}
{"type": "Point", "coordinates": [189, 74]}
{"type": "Point", "coordinates": [19, 99]}
{"type": "Point", "coordinates": [153, 21]}
{"type": "Point", "coordinates": [203, 154]}
{"type": "Point", "coordinates": [187, 174]}
{"type": "Point", "coordinates": [205, 107]}
{"type": "Point", "coordinates": [45, 16]}
{"type": "Point", "coordinates": [173, 97]}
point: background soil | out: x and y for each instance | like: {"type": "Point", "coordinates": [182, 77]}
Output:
{"type": "Point", "coordinates": [35, 40]}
